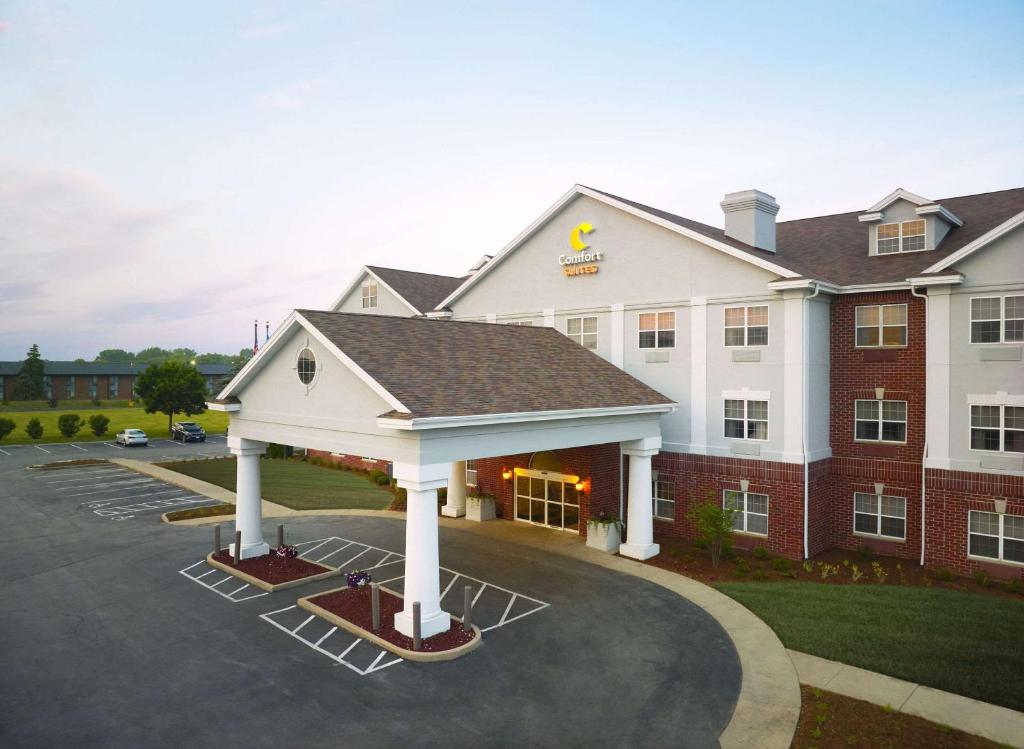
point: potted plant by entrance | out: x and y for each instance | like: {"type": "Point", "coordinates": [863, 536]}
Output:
{"type": "Point", "coordinates": [480, 507]}
{"type": "Point", "coordinates": [604, 532]}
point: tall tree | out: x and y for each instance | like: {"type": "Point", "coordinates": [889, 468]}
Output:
{"type": "Point", "coordinates": [28, 386]}
{"type": "Point", "coordinates": [212, 358]}
{"type": "Point", "coordinates": [172, 388]}
{"type": "Point", "coordinates": [115, 356]}
{"type": "Point", "coordinates": [152, 355]}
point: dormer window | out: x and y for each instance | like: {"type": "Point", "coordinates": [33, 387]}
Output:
{"type": "Point", "coordinates": [908, 236]}
{"type": "Point", "coordinates": [369, 295]}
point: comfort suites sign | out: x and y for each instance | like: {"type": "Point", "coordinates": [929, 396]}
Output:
{"type": "Point", "coordinates": [582, 260]}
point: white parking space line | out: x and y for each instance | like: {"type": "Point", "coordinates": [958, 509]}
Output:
{"type": "Point", "coordinates": [77, 447]}
{"type": "Point", "coordinates": [5, 453]}
{"type": "Point", "coordinates": [154, 504]}
{"type": "Point", "coordinates": [104, 502]}
{"type": "Point", "coordinates": [111, 444]}
{"type": "Point", "coordinates": [40, 447]}
{"type": "Point", "coordinates": [495, 612]}
{"type": "Point", "coordinates": [78, 475]}
{"type": "Point", "coordinates": [232, 596]}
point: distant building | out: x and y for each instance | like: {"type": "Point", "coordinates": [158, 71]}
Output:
{"type": "Point", "coordinates": [84, 381]}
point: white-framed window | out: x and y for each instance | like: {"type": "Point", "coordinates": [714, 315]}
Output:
{"type": "Point", "coordinates": [997, 428]}
{"type": "Point", "coordinates": [583, 330]}
{"type": "Point", "coordinates": [69, 387]}
{"type": "Point", "coordinates": [997, 319]}
{"type": "Point", "coordinates": [880, 515]}
{"type": "Point", "coordinates": [746, 420]}
{"type": "Point", "coordinates": [3, 392]}
{"type": "Point", "coordinates": [657, 329]}
{"type": "Point", "coordinates": [305, 366]}
{"type": "Point", "coordinates": [881, 325]}
{"type": "Point", "coordinates": [48, 386]}
{"type": "Point", "coordinates": [994, 536]}
{"type": "Point", "coordinates": [113, 385]}
{"type": "Point", "coordinates": [746, 326]}
{"type": "Point", "coordinates": [521, 323]}
{"type": "Point", "coordinates": [908, 236]}
{"type": "Point", "coordinates": [749, 511]}
{"type": "Point", "coordinates": [663, 496]}
{"type": "Point", "coordinates": [880, 421]}
{"type": "Point", "coordinates": [369, 295]}
{"type": "Point", "coordinates": [93, 387]}
{"type": "Point", "coordinates": [470, 473]}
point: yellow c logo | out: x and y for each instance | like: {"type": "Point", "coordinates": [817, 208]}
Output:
{"type": "Point", "coordinates": [576, 236]}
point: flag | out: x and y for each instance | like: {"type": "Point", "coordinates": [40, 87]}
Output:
{"type": "Point", "coordinates": [255, 337]}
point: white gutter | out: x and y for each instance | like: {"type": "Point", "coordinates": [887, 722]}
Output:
{"type": "Point", "coordinates": [805, 395]}
{"type": "Point", "coordinates": [444, 422]}
{"type": "Point", "coordinates": [924, 454]}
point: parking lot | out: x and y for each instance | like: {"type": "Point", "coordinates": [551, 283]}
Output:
{"type": "Point", "coordinates": [157, 449]}
{"type": "Point", "coordinates": [122, 624]}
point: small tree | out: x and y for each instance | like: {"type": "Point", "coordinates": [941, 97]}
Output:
{"type": "Point", "coordinates": [34, 429]}
{"type": "Point", "coordinates": [98, 423]}
{"type": "Point", "coordinates": [6, 427]}
{"type": "Point", "coordinates": [69, 424]}
{"type": "Point", "coordinates": [714, 527]}
{"type": "Point", "coordinates": [172, 388]}
{"type": "Point", "coordinates": [28, 385]}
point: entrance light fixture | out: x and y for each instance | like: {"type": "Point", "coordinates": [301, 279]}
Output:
{"type": "Point", "coordinates": [506, 474]}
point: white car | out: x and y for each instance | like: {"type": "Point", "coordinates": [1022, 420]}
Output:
{"type": "Point", "coordinates": [132, 437]}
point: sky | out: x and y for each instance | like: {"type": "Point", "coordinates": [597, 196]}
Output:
{"type": "Point", "coordinates": [170, 172]}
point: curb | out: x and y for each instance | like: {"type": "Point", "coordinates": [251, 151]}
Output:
{"type": "Point", "coordinates": [411, 655]}
{"type": "Point", "coordinates": [271, 587]}
{"type": "Point", "coordinates": [999, 724]}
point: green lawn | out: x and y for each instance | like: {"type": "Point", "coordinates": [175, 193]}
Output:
{"type": "Point", "coordinates": [154, 425]}
{"type": "Point", "coordinates": [292, 483]}
{"type": "Point", "coordinates": [959, 642]}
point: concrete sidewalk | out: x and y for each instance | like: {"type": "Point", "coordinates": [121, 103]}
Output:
{"type": "Point", "coordinates": [999, 724]}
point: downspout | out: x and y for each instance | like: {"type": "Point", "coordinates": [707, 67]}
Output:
{"type": "Point", "coordinates": [924, 454]}
{"type": "Point", "coordinates": [621, 507]}
{"type": "Point", "coordinates": [805, 396]}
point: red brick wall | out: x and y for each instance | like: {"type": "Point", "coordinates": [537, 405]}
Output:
{"type": "Point", "coordinates": [596, 464]}
{"type": "Point", "coordinates": [700, 478]}
{"type": "Point", "coordinates": [951, 495]}
{"type": "Point", "coordinates": [855, 376]}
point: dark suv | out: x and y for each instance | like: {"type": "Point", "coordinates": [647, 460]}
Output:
{"type": "Point", "coordinates": [188, 431]}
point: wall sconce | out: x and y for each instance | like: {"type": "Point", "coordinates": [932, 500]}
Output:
{"type": "Point", "coordinates": [999, 504]}
{"type": "Point", "coordinates": [744, 485]}
{"type": "Point", "coordinates": [879, 489]}
{"type": "Point", "coordinates": [582, 485]}
{"type": "Point", "coordinates": [506, 474]}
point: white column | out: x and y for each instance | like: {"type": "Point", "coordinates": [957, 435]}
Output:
{"type": "Point", "coordinates": [422, 561]}
{"type": "Point", "coordinates": [699, 375]}
{"type": "Point", "coordinates": [618, 335]}
{"type": "Point", "coordinates": [640, 512]}
{"type": "Point", "coordinates": [937, 378]}
{"type": "Point", "coordinates": [794, 375]}
{"type": "Point", "coordinates": [455, 503]}
{"type": "Point", "coordinates": [248, 496]}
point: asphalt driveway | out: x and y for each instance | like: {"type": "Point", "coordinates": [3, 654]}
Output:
{"type": "Point", "coordinates": [106, 644]}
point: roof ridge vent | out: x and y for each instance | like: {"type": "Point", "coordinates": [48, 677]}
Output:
{"type": "Point", "coordinates": [750, 218]}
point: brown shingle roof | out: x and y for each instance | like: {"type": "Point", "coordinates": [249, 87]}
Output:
{"type": "Point", "coordinates": [835, 248]}
{"type": "Point", "coordinates": [446, 368]}
{"type": "Point", "coordinates": [424, 291]}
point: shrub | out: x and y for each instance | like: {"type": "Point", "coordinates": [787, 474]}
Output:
{"type": "Point", "coordinates": [856, 573]}
{"type": "Point", "coordinates": [780, 565]}
{"type": "Point", "coordinates": [383, 480]}
{"type": "Point", "coordinates": [1015, 586]}
{"type": "Point", "coordinates": [742, 568]}
{"type": "Point", "coordinates": [865, 552]}
{"type": "Point", "coordinates": [98, 423]}
{"type": "Point", "coordinates": [760, 575]}
{"type": "Point", "coordinates": [981, 578]}
{"type": "Point", "coordinates": [52, 403]}
{"type": "Point", "coordinates": [276, 451]}
{"type": "Point", "coordinates": [95, 401]}
{"type": "Point", "coordinates": [714, 527]}
{"type": "Point", "coordinates": [34, 429]}
{"type": "Point", "coordinates": [880, 572]}
{"type": "Point", "coordinates": [400, 501]}
{"type": "Point", "coordinates": [762, 553]}
{"type": "Point", "coordinates": [6, 427]}
{"type": "Point", "coordinates": [69, 424]}
{"type": "Point", "coordinates": [944, 574]}
{"type": "Point", "coordinates": [376, 474]}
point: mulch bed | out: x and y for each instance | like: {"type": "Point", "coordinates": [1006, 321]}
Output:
{"type": "Point", "coordinates": [209, 511]}
{"type": "Point", "coordinates": [688, 559]}
{"type": "Point", "coordinates": [271, 568]}
{"type": "Point", "coordinates": [832, 721]}
{"type": "Point", "coordinates": [354, 605]}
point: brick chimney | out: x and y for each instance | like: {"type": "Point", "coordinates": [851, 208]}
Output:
{"type": "Point", "coordinates": [750, 218]}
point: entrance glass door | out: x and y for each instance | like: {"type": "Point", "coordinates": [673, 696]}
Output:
{"type": "Point", "coordinates": [546, 498]}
